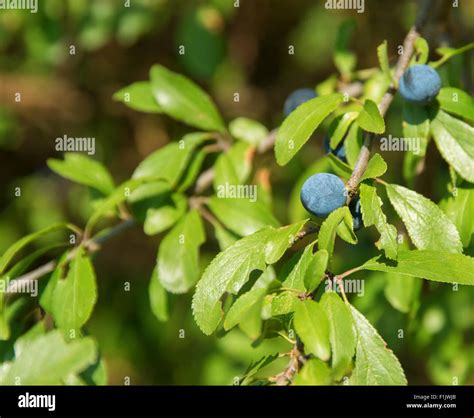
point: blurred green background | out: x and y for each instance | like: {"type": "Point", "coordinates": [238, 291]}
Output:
{"type": "Point", "coordinates": [68, 59]}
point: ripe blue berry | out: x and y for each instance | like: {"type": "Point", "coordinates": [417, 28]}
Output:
{"type": "Point", "coordinates": [339, 152]}
{"type": "Point", "coordinates": [297, 98]}
{"type": "Point", "coordinates": [420, 84]}
{"type": "Point", "coordinates": [354, 207]}
{"type": "Point", "coordinates": [323, 193]}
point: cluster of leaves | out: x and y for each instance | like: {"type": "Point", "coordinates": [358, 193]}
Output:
{"type": "Point", "coordinates": [252, 283]}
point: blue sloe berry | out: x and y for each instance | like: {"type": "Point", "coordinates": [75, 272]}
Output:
{"type": "Point", "coordinates": [297, 98]}
{"type": "Point", "coordinates": [323, 193]}
{"type": "Point", "coordinates": [354, 207]}
{"type": "Point", "coordinates": [339, 152]}
{"type": "Point", "coordinates": [420, 84]}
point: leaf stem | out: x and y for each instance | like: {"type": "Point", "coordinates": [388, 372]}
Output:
{"type": "Point", "coordinates": [340, 283]}
{"type": "Point", "coordinates": [281, 334]}
{"type": "Point", "coordinates": [289, 289]}
{"type": "Point", "coordinates": [91, 245]}
{"type": "Point", "coordinates": [377, 180]}
{"type": "Point", "coordinates": [348, 273]}
{"type": "Point", "coordinates": [206, 178]}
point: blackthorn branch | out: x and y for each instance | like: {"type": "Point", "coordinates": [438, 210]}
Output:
{"type": "Point", "coordinates": [402, 65]}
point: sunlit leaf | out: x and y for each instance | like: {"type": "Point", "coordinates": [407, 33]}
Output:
{"type": "Point", "coordinates": [428, 227]}
{"type": "Point", "coordinates": [301, 123]}
{"type": "Point", "coordinates": [375, 364]}
{"type": "Point", "coordinates": [184, 100]}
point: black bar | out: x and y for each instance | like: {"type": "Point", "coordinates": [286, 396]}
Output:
{"type": "Point", "coordinates": [143, 401]}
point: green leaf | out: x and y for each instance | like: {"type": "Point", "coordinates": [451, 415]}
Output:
{"type": "Point", "coordinates": [314, 373]}
{"type": "Point", "coordinates": [255, 367]}
{"type": "Point", "coordinates": [178, 254]}
{"type": "Point", "coordinates": [48, 360]}
{"type": "Point", "coordinates": [13, 250]}
{"type": "Point", "coordinates": [416, 126]}
{"type": "Point", "coordinates": [242, 216]}
{"type": "Point", "coordinates": [299, 263]}
{"type": "Point", "coordinates": [118, 196]}
{"type": "Point", "coordinates": [75, 296]}
{"type": "Point", "coordinates": [184, 100]}
{"type": "Point", "coordinates": [339, 167]}
{"type": "Point", "coordinates": [192, 171]}
{"type": "Point", "coordinates": [372, 214]}
{"type": "Point", "coordinates": [169, 163]}
{"type": "Point", "coordinates": [37, 330]}
{"type": "Point", "coordinates": [230, 270]}
{"type": "Point", "coordinates": [248, 130]}
{"type": "Point", "coordinates": [431, 265]}
{"type": "Point", "coordinates": [382, 54]}
{"type": "Point", "coordinates": [6, 280]}
{"type": "Point", "coordinates": [301, 123]}
{"type": "Point", "coordinates": [148, 196]}
{"type": "Point", "coordinates": [457, 102]}
{"type": "Point", "coordinates": [247, 309]}
{"type": "Point", "coordinates": [376, 85]}
{"type": "Point", "coordinates": [5, 331]}
{"type": "Point", "coordinates": [459, 209]}
{"type": "Point", "coordinates": [423, 51]}
{"type": "Point", "coordinates": [96, 374]}
{"type": "Point", "coordinates": [447, 53]}
{"type": "Point", "coordinates": [428, 227]}
{"type": "Point", "coordinates": [412, 164]}
{"type": "Point", "coordinates": [370, 119]}
{"type": "Point", "coordinates": [10, 314]}
{"type": "Point", "coordinates": [375, 168]}
{"type": "Point", "coordinates": [454, 141]}
{"type": "Point", "coordinates": [83, 170]}
{"type": "Point", "coordinates": [345, 230]}
{"type": "Point", "coordinates": [266, 280]}
{"type": "Point", "coordinates": [224, 237]}
{"type": "Point", "coordinates": [375, 364]}
{"type": "Point", "coordinates": [344, 59]}
{"type": "Point", "coordinates": [158, 297]}
{"type": "Point", "coordinates": [353, 144]}
{"type": "Point", "coordinates": [233, 167]}
{"type": "Point", "coordinates": [47, 295]}
{"type": "Point", "coordinates": [340, 126]}
{"type": "Point", "coordinates": [401, 291]}
{"type": "Point", "coordinates": [327, 86]}
{"type": "Point", "coordinates": [316, 270]}
{"type": "Point", "coordinates": [327, 233]}
{"type": "Point", "coordinates": [138, 96]}
{"type": "Point", "coordinates": [284, 303]}
{"type": "Point", "coordinates": [342, 333]}
{"type": "Point", "coordinates": [312, 326]}
{"type": "Point", "coordinates": [23, 264]}
{"type": "Point", "coordinates": [279, 240]}
{"type": "Point", "coordinates": [165, 216]}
